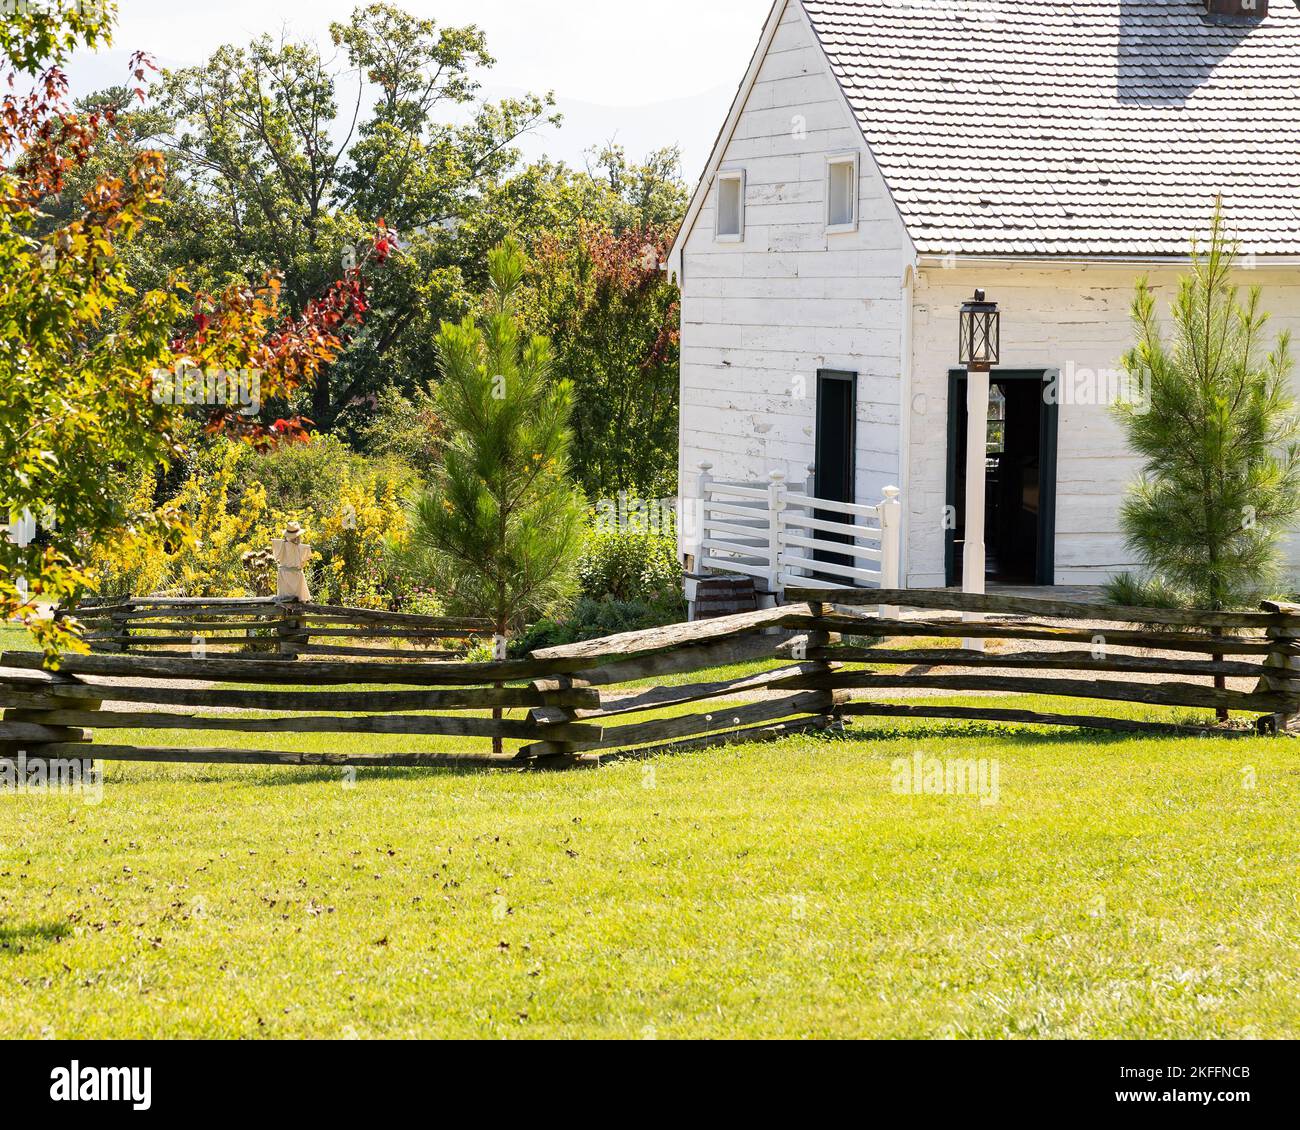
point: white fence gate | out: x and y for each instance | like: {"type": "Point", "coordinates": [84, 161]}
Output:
{"type": "Point", "coordinates": [785, 537]}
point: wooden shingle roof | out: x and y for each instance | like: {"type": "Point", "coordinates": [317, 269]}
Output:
{"type": "Point", "coordinates": [1074, 128]}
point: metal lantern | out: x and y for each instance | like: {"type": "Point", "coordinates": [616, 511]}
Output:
{"type": "Point", "coordinates": [981, 333]}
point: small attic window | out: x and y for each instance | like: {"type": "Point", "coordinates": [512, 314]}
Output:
{"type": "Point", "coordinates": [731, 206]}
{"type": "Point", "coordinates": [842, 193]}
{"type": "Point", "coordinates": [1236, 10]}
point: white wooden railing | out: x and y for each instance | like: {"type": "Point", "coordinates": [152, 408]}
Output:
{"type": "Point", "coordinates": [779, 535]}
{"type": "Point", "coordinates": [20, 529]}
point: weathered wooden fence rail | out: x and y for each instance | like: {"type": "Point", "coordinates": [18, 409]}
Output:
{"type": "Point", "coordinates": [184, 626]}
{"type": "Point", "coordinates": [581, 702]}
{"type": "Point", "coordinates": [1129, 646]}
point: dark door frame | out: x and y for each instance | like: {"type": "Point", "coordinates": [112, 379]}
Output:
{"type": "Point", "coordinates": [1048, 432]}
{"type": "Point", "coordinates": [851, 379]}
{"type": "Point", "coordinates": [844, 490]}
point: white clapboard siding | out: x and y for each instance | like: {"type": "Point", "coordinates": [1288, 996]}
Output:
{"type": "Point", "coordinates": [1075, 319]}
{"type": "Point", "coordinates": [761, 316]}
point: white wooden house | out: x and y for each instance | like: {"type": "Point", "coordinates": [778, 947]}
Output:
{"type": "Point", "coordinates": [882, 160]}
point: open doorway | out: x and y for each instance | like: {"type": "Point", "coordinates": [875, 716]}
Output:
{"type": "Point", "coordinates": [836, 465]}
{"type": "Point", "coordinates": [1020, 485]}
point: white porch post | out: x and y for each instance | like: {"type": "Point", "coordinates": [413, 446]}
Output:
{"type": "Point", "coordinates": [810, 490]}
{"type": "Point", "coordinates": [23, 533]}
{"type": "Point", "coordinates": [776, 532]}
{"type": "Point", "coordinates": [693, 539]}
{"type": "Point", "coordinates": [977, 426]}
{"type": "Point", "coordinates": [891, 528]}
{"type": "Point", "coordinates": [690, 532]}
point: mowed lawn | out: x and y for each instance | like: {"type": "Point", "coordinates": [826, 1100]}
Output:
{"type": "Point", "coordinates": [1119, 887]}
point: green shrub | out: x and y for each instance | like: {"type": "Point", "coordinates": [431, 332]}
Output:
{"type": "Point", "coordinates": [1138, 591]}
{"type": "Point", "coordinates": [593, 619]}
{"type": "Point", "coordinates": [627, 565]}
{"type": "Point", "coordinates": [422, 602]}
{"type": "Point", "coordinates": [308, 478]}
{"type": "Point", "coordinates": [407, 429]}
{"type": "Point", "coordinates": [628, 580]}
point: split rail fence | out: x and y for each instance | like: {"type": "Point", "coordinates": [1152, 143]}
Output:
{"type": "Point", "coordinates": [807, 665]}
{"type": "Point", "coordinates": [195, 628]}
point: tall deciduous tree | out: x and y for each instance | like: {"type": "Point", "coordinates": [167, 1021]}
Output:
{"type": "Point", "coordinates": [1217, 431]}
{"type": "Point", "coordinates": [36, 36]}
{"type": "Point", "coordinates": [71, 397]}
{"type": "Point", "coordinates": [83, 347]}
{"type": "Point", "coordinates": [284, 166]}
{"type": "Point", "coordinates": [613, 317]}
{"type": "Point", "coordinates": [598, 293]}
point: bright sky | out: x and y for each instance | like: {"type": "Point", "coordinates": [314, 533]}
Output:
{"type": "Point", "coordinates": [648, 72]}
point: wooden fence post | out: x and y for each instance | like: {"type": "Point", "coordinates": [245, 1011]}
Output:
{"type": "Point", "coordinates": [813, 648]}
{"type": "Point", "coordinates": [822, 639]}
{"type": "Point", "coordinates": [289, 630]}
{"type": "Point", "coordinates": [1285, 663]}
{"type": "Point", "coordinates": [27, 730]}
{"type": "Point", "coordinates": [563, 755]}
{"type": "Point", "coordinates": [122, 626]}
{"type": "Point", "coordinates": [891, 525]}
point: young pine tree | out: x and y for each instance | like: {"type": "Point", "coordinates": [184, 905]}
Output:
{"type": "Point", "coordinates": [1218, 439]}
{"type": "Point", "coordinates": [498, 532]}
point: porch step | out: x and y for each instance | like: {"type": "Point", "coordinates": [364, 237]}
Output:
{"type": "Point", "coordinates": [723, 596]}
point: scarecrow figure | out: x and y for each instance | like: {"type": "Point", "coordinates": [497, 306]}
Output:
{"type": "Point", "coordinates": [291, 557]}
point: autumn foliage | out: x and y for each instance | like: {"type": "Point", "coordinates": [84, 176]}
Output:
{"type": "Point", "coordinates": [613, 317]}
{"type": "Point", "coordinates": [244, 328]}
{"type": "Point", "coordinates": [84, 350]}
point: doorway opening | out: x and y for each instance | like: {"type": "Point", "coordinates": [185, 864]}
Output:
{"type": "Point", "coordinates": [1020, 485]}
{"type": "Point", "coordinates": [836, 459]}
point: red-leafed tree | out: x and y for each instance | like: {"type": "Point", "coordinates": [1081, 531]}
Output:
{"type": "Point", "coordinates": [612, 315]}
{"type": "Point", "coordinates": [79, 383]}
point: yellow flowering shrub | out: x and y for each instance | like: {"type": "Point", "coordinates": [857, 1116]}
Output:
{"type": "Point", "coordinates": [354, 514]}
{"type": "Point", "coordinates": [352, 541]}
{"type": "Point", "coordinates": [137, 562]}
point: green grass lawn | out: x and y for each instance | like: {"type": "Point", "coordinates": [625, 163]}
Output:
{"type": "Point", "coordinates": [1120, 887]}
{"type": "Point", "coordinates": [15, 638]}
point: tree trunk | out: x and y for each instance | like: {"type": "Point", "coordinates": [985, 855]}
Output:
{"type": "Point", "coordinates": [320, 399]}
{"type": "Point", "coordinates": [498, 744]}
